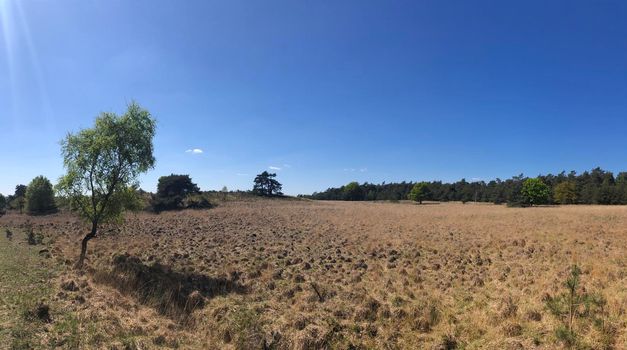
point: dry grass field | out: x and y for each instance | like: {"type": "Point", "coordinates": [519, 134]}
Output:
{"type": "Point", "coordinates": [282, 274]}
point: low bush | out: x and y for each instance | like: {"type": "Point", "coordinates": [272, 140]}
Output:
{"type": "Point", "coordinates": [197, 201]}
{"type": "Point", "coordinates": [32, 237]}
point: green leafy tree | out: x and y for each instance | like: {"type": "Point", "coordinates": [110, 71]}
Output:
{"type": "Point", "coordinates": [20, 191]}
{"type": "Point", "coordinates": [18, 201]}
{"type": "Point", "coordinates": [353, 192]}
{"type": "Point", "coordinates": [565, 192]}
{"type": "Point", "coordinates": [40, 197]}
{"type": "Point", "coordinates": [172, 190]}
{"type": "Point", "coordinates": [103, 164]}
{"type": "Point", "coordinates": [265, 184]}
{"type": "Point", "coordinates": [3, 204]}
{"type": "Point", "coordinates": [534, 191]}
{"type": "Point", "coordinates": [419, 192]}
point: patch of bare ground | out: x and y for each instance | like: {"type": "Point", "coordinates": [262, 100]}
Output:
{"type": "Point", "coordinates": [313, 275]}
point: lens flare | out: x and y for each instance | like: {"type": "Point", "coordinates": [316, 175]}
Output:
{"type": "Point", "coordinates": [16, 31]}
{"type": "Point", "coordinates": [8, 40]}
{"type": "Point", "coordinates": [34, 61]}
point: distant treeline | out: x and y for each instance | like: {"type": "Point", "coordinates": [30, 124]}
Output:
{"type": "Point", "coordinates": [591, 187]}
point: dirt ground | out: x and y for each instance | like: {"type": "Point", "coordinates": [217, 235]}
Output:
{"type": "Point", "coordinates": [349, 275]}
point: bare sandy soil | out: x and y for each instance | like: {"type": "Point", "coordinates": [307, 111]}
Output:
{"type": "Point", "coordinates": [307, 275]}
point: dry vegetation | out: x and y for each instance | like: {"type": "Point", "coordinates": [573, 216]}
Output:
{"type": "Point", "coordinates": [308, 275]}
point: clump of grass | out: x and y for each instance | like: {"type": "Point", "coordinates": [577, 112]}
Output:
{"type": "Point", "coordinates": [245, 329]}
{"type": "Point", "coordinates": [449, 342]}
{"type": "Point", "coordinates": [425, 316]}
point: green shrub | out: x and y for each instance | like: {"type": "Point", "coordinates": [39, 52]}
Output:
{"type": "Point", "coordinates": [197, 201]}
{"type": "Point", "coordinates": [32, 237]}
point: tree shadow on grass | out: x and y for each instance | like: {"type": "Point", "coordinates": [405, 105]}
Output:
{"type": "Point", "coordinates": [173, 294]}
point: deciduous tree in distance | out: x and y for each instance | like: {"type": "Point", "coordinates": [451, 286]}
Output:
{"type": "Point", "coordinates": [419, 192]}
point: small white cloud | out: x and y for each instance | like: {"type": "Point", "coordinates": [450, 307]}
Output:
{"type": "Point", "coordinates": [194, 151]}
{"type": "Point", "coordinates": [352, 170]}
{"type": "Point", "coordinates": [274, 167]}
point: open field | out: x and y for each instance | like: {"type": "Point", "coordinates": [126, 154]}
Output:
{"type": "Point", "coordinates": [307, 275]}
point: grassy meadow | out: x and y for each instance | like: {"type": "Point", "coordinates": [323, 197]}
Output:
{"type": "Point", "coordinates": [300, 274]}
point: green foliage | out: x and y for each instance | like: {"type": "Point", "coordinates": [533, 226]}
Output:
{"type": "Point", "coordinates": [172, 191]}
{"type": "Point", "coordinates": [102, 165]}
{"type": "Point", "coordinates": [565, 192]}
{"type": "Point", "coordinates": [197, 201]}
{"type": "Point", "coordinates": [3, 204]}
{"type": "Point", "coordinates": [591, 187]}
{"type": "Point", "coordinates": [20, 191]}
{"type": "Point", "coordinates": [18, 201]}
{"type": "Point", "coordinates": [40, 197]}
{"type": "Point", "coordinates": [265, 184]}
{"type": "Point", "coordinates": [246, 328]}
{"type": "Point", "coordinates": [534, 191]}
{"type": "Point", "coordinates": [176, 185]}
{"type": "Point", "coordinates": [32, 237]}
{"type": "Point", "coordinates": [418, 192]}
{"type": "Point", "coordinates": [352, 192]}
{"type": "Point", "coordinates": [103, 162]}
{"type": "Point", "coordinates": [575, 307]}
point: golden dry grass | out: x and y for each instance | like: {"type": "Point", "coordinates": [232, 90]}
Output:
{"type": "Point", "coordinates": [307, 275]}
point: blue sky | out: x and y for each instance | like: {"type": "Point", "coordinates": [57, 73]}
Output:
{"type": "Point", "coordinates": [327, 91]}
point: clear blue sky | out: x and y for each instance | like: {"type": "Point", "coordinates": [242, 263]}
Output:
{"type": "Point", "coordinates": [327, 91]}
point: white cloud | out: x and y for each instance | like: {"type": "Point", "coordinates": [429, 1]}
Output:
{"type": "Point", "coordinates": [274, 167]}
{"type": "Point", "coordinates": [352, 170]}
{"type": "Point", "coordinates": [194, 151]}
{"type": "Point", "coordinates": [241, 174]}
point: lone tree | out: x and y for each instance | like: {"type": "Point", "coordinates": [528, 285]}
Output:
{"type": "Point", "coordinates": [40, 197]}
{"type": "Point", "coordinates": [267, 185]}
{"type": "Point", "coordinates": [172, 190]}
{"type": "Point", "coordinates": [419, 192]}
{"type": "Point", "coordinates": [565, 192]}
{"type": "Point", "coordinates": [353, 192]}
{"type": "Point", "coordinates": [102, 166]}
{"type": "Point", "coordinates": [534, 191]}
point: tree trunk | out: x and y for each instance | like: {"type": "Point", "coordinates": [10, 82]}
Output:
{"type": "Point", "coordinates": [92, 234]}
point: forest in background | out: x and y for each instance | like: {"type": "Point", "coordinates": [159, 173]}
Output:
{"type": "Point", "coordinates": [590, 187]}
